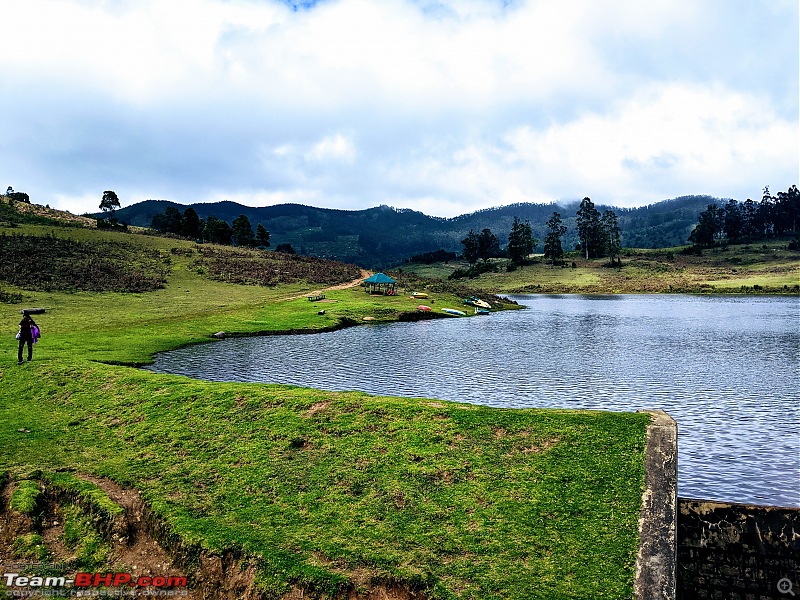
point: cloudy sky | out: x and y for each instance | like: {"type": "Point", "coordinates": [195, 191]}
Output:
{"type": "Point", "coordinates": [441, 106]}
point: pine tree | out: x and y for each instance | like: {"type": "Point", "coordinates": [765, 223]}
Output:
{"type": "Point", "coordinates": [589, 229]}
{"type": "Point", "coordinates": [262, 235]}
{"type": "Point", "coordinates": [488, 245]}
{"type": "Point", "coordinates": [520, 241]}
{"type": "Point", "coordinates": [613, 244]}
{"type": "Point", "coordinates": [243, 231]}
{"type": "Point", "coordinates": [552, 243]}
{"type": "Point", "coordinates": [470, 252]}
{"type": "Point", "coordinates": [191, 224]}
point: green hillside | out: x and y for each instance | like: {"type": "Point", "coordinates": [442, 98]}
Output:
{"type": "Point", "coordinates": [289, 490]}
{"type": "Point", "coordinates": [384, 236]}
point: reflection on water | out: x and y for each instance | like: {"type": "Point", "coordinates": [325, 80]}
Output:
{"type": "Point", "coordinates": [726, 368]}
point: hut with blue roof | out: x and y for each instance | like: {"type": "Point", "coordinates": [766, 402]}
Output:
{"type": "Point", "coordinates": [380, 283]}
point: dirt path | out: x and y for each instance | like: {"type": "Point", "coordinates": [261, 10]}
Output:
{"type": "Point", "coordinates": [341, 286]}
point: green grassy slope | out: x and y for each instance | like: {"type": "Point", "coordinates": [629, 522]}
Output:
{"type": "Point", "coordinates": [755, 268]}
{"type": "Point", "coordinates": [320, 490]}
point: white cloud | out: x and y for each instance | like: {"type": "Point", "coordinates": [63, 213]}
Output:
{"type": "Point", "coordinates": [444, 106]}
{"type": "Point", "coordinates": [696, 140]}
{"type": "Point", "coordinates": [333, 148]}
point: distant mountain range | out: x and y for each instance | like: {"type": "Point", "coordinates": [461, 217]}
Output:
{"type": "Point", "coordinates": [383, 236]}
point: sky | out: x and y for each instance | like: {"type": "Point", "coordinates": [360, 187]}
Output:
{"type": "Point", "coordinates": [445, 107]}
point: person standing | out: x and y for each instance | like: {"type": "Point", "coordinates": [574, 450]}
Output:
{"type": "Point", "coordinates": [27, 329]}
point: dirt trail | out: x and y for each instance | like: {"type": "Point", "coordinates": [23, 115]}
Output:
{"type": "Point", "coordinates": [341, 286]}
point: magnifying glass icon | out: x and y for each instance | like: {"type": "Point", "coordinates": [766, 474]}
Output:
{"type": "Point", "coordinates": [785, 586]}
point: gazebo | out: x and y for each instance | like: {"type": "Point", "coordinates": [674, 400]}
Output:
{"type": "Point", "coordinates": [380, 284]}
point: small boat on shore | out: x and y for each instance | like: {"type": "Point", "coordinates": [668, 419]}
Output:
{"type": "Point", "coordinates": [481, 311]}
{"type": "Point", "coordinates": [422, 307]}
{"type": "Point", "coordinates": [453, 311]}
{"type": "Point", "coordinates": [475, 301]}
{"type": "Point", "coordinates": [419, 295]}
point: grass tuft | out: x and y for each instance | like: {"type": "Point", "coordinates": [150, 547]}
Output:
{"type": "Point", "coordinates": [26, 497]}
{"type": "Point", "coordinates": [30, 546]}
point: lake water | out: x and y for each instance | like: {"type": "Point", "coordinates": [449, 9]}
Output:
{"type": "Point", "coordinates": [726, 368]}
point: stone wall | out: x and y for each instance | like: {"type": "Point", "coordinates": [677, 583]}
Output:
{"type": "Point", "coordinates": [737, 551]}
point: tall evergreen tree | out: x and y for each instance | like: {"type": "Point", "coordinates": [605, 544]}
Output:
{"type": "Point", "coordinates": [766, 213]}
{"type": "Point", "coordinates": [191, 224]}
{"type": "Point", "coordinates": [733, 222]}
{"type": "Point", "coordinates": [750, 224]}
{"type": "Point", "coordinates": [470, 252]}
{"type": "Point", "coordinates": [173, 220]}
{"type": "Point", "coordinates": [613, 244]}
{"type": "Point", "coordinates": [488, 245]}
{"type": "Point", "coordinates": [589, 229]}
{"type": "Point", "coordinates": [243, 232]}
{"type": "Point", "coordinates": [262, 235]}
{"type": "Point", "coordinates": [552, 243]}
{"type": "Point", "coordinates": [787, 209]}
{"type": "Point", "coordinates": [520, 241]}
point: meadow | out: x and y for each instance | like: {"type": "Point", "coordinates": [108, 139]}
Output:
{"type": "Point", "coordinates": [765, 268]}
{"type": "Point", "coordinates": [298, 490]}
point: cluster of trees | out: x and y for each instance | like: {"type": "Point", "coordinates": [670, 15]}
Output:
{"type": "Point", "coordinates": [747, 221]}
{"type": "Point", "coordinates": [214, 230]}
{"type": "Point", "coordinates": [483, 246]}
{"type": "Point", "coordinates": [486, 245]}
{"type": "Point", "coordinates": [18, 196]}
{"type": "Point", "coordinates": [599, 236]}
{"type": "Point", "coordinates": [520, 242]}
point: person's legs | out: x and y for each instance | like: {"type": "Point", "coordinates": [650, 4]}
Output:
{"type": "Point", "coordinates": [30, 350]}
{"type": "Point", "coordinates": [19, 353]}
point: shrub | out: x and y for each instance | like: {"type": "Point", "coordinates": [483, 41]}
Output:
{"type": "Point", "coordinates": [271, 268]}
{"type": "Point", "coordinates": [10, 297]}
{"type": "Point", "coordinates": [51, 263]}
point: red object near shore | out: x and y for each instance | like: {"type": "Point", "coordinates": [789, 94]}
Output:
{"type": "Point", "coordinates": [423, 307]}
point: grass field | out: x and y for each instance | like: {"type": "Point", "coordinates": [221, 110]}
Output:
{"type": "Point", "coordinates": [315, 491]}
{"type": "Point", "coordinates": [755, 268]}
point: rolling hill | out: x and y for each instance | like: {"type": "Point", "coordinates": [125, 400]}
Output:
{"type": "Point", "coordinates": [384, 236]}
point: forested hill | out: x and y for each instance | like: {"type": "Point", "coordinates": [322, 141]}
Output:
{"type": "Point", "coordinates": [384, 236]}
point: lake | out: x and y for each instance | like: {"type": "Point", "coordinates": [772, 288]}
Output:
{"type": "Point", "coordinates": [724, 367]}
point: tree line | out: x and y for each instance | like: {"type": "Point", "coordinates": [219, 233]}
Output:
{"type": "Point", "coordinates": [738, 222]}
{"type": "Point", "coordinates": [213, 230]}
{"type": "Point", "coordinates": [599, 236]}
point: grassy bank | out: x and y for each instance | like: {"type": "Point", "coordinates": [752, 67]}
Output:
{"type": "Point", "coordinates": [766, 268]}
{"type": "Point", "coordinates": [321, 491]}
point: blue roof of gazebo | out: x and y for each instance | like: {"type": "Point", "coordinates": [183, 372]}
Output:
{"type": "Point", "coordinates": [380, 278]}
